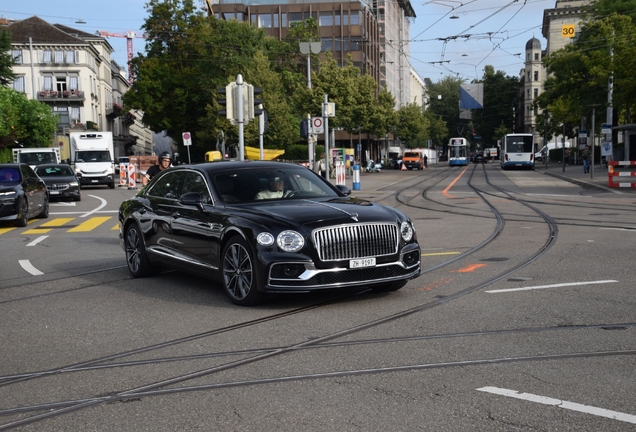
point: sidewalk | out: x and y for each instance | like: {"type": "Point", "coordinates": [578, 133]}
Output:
{"type": "Point", "coordinates": [574, 174]}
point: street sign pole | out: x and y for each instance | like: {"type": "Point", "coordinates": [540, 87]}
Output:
{"type": "Point", "coordinates": [187, 142]}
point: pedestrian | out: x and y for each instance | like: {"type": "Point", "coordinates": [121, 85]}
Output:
{"type": "Point", "coordinates": [165, 159]}
{"type": "Point", "coordinates": [322, 166]}
{"type": "Point", "coordinates": [585, 155]}
{"type": "Point", "coordinates": [425, 161]}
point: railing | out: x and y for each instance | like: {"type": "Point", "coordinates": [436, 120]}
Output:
{"type": "Point", "coordinates": [66, 94]}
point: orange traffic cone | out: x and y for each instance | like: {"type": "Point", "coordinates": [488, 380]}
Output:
{"type": "Point", "coordinates": [404, 167]}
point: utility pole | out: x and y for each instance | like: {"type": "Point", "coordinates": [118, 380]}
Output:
{"type": "Point", "coordinates": [308, 48]}
{"type": "Point", "coordinates": [240, 117]}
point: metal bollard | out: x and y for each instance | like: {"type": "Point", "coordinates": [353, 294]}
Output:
{"type": "Point", "coordinates": [356, 177]}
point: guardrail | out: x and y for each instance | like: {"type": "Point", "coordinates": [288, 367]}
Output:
{"type": "Point", "coordinates": [615, 169]}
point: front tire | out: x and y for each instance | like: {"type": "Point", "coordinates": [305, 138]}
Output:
{"type": "Point", "coordinates": [44, 214]}
{"type": "Point", "coordinates": [136, 257]}
{"type": "Point", "coordinates": [23, 214]}
{"type": "Point", "coordinates": [239, 274]}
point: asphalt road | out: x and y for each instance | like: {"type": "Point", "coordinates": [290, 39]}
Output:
{"type": "Point", "coordinates": [522, 320]}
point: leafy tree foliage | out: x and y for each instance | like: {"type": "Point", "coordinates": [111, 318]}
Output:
{"type": "Point", "coordinates": [24, 121]}
{"type": "Point", "coordinates": [500, 92]}
{"type": "Point", "coordinates": [413, 126]}
{"type": "Point", "coordinates": [6, 61]}
{"type": "Point", "coordinates": [444, 104]}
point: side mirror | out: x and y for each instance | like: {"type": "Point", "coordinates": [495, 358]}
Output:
{"type": "Point", "coordinates": [191, 198]}
{"type": "Point", "coordinates": [343, 190]}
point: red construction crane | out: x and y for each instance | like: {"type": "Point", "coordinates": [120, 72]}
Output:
{"type": "Point", "coordinates": [129, 35]}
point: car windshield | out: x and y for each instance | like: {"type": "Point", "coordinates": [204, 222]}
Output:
{"type": "Point", "coordinates": [248, 184]}
{"type": "Point", "coordinates": [9, 175]}
{"type": "Point", "coordinates": [54, 171]}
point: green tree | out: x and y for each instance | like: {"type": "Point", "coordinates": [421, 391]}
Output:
{"type": "Point", "coordinates": [6, 60]}
{"type": "Point", "coordinates": [413, 126]}
{"type": "Point", "coordinates": [500, 92]}
{"type": "Point", "coordinates": [25, 121]}
{"type": "Point", "coordinates": [444, 104]}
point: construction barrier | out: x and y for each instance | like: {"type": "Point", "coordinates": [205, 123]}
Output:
{"type": "Point", "coordinates": [356, 177]}
{"type": "Point", "coordinates": [340, 173]}
{"type": "Point", "coordinates": [122, 175]}
{"type": "Point", "coordinates": [132, 183]}
{"type": "Point", "coordinates": [612, 173]}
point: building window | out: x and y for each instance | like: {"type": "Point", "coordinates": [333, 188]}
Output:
{"type": "Point", "coordinates": [529, 76]}
{"type": "Point", "coordinates": [48, 83]}
{"type": "Point", "coordinates": [276, 20]}
{"type": "Point", "coordinates": [536, 56]}
{"type": "Point", "coordinates": [327, 44]}
{"type": "Point", "coordinates": [345, 17]}
{"type": "Point", "coordinates": [47, 56]}
{"type": "Point", "coordinates": [536, 75]}
{"type": "Point", "coordinates": [536, 110]}
{"type": "Point", "coordinates": [338, 44]}
{"type": "Point", "coordinates": [70, 57]}
{"type": "Point", "coordinates": [536, 92]}
{"type": "Point", "coordinates": [17, 56]}
{"type": "Point", "coordinates": [231, 15]}
{"type": "Point", "coordinates": [326, 19]}
{"type": "Point", "coordinates": [528, 56]}
{"type": "Point", "coordinates": [528, 95]}
{"type": "Point", "coordinates": [528, 110]}
{"type": "Point", "coordinates": [295, 17]}
{"type": "Point", "coordinates": [283, 20]}
{"type": "Point", "coordinates": [264, 20]}
{"type": "Point", "coordinates": [355, 44]}
{"type": "Point", "coordinates": [75, 115]}
{"type": "Point", "coordinates": [336, 18]}
{"type": "Point", "coordinates": [59, 56]}
{"type": "Point", "coordinates": [18, 84]}
{"type": "Point", "coordinates": [355, 17]}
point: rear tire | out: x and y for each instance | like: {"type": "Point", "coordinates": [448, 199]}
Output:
{"type": "Point", "coordinates": [111, 185]}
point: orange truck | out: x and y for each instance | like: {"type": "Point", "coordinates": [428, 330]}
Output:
{"type": "Point", "coordinates": [413, 159]}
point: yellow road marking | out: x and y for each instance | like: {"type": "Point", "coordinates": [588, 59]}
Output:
{"type": "Point", "coordinates": [4, 230]}
{"type": "Point", "coordinates": [441, 253]}
{"type": "Point", "coordinates": [57, 222]}
{"type": "Point", "coordinates": [115, 228]}
{"type": "Point", "coordinates": [90, 224]}
{"type": "Point", "coordinates": [37, 231]}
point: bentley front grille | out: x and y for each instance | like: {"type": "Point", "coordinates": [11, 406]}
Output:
{"type": "Point", "coordinates": [356, 241]}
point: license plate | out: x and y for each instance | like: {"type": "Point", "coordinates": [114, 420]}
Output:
{"type": "Point", "coordinates": [54, 192]}
{"type": "Point", "coordinates": [359, 263]}
{"type": "Point", "coordinates": [94, 181]}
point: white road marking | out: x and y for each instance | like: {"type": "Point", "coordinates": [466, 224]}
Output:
{"type": "Point", "coordinates": [37, 240]}
{"type": "Point", "coordinates": [601, 412]}
{"type": "Point", "coordinates": [552, 286]}
{"type": "Point", "coordinates": [103, 204]}
{"type": "Point", "coordinates": [26, 265]}
{"type": "Point", "coordinates": [619, 229]}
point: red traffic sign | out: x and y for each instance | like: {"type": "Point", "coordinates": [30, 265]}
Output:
{"type": "Point", "coordinates": [317, 125]}
{"type": "Point", "coordinates": [187, 138]}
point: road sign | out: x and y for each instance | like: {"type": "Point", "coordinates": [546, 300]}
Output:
{"type": "Point", "coordinates": [317, 126]}
{"type": "Point", "coordinates": [187, 139]}
{"type": "Point", "coordinates": [568, 31]}
{"type": "Point", "coordinates": [606, 129]}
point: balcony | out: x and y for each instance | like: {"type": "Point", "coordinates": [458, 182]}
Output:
{"type": "Point", "coordinates": [48, 95]}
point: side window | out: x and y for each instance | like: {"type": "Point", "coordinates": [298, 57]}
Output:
{"type": "Point", "coordinates": [195, 182]}
{"type": "Point", "coordinates": [168, 185]}
{"type": "Point", "coordinates": [27, 172]}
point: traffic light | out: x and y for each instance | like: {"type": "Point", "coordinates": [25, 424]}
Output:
{"type": "Point", "coordinates": [250, 104]}
{"type": "Point", "coordinates": [229, 102]}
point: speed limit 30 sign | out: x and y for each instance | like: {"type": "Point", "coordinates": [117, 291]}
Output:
{"type": "Point", "coordinates": [317, 126]}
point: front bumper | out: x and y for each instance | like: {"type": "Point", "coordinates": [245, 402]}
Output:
{"type": "Point", "coordinates": [303, 276]}
{"type": "Point", "coordinates": [98, 180]}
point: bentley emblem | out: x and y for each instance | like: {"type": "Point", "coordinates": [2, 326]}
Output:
{"type": "Point", "coordinates": [354, 216]}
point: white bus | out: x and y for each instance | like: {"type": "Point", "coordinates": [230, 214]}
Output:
{"type": "Point", "coordinates": [517, 150]}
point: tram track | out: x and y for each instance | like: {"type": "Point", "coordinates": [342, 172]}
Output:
{"type": "Point", "coordinates": [157, 388]}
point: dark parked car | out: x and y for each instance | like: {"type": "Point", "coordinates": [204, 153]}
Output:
{"type": "Point", "coordinates": [23, 195]}
{"type": "Point", "coordinates": [479, 157]}
{"type": "Point", "coordinates": [266, 227]}
{"type": "Point", "coordinates": [60, 180]}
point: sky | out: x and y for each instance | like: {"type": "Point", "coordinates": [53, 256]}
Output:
{"type": "Point", "coordinates": [484, 32]}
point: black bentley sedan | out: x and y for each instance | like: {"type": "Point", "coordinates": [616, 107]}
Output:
{"type": "Point", "coordinates": [60, 180]}
{"type": "Point", "coordinates": [23, 194]}
{"type": "Point", "coordinates": [266, 227]}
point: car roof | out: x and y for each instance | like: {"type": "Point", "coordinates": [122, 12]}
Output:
{"type": "Point", "coordinates": [12, 165]}
{"type": "Point", "coordinates": [219, 166]}
{"type": "Point", "coordinates": [51, 165]}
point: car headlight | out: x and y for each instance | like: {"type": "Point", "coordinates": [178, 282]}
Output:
{"type": "Point", "coordinates": [73, 184]}
{"type": "Point", "coordinates": [9, 193]}
{"type": "Point", "coordinates": [290, 241]}
{"type": "Point", "coordinates": [406, 229]}
{"type": "Point", "coordinates": [265, 239]}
